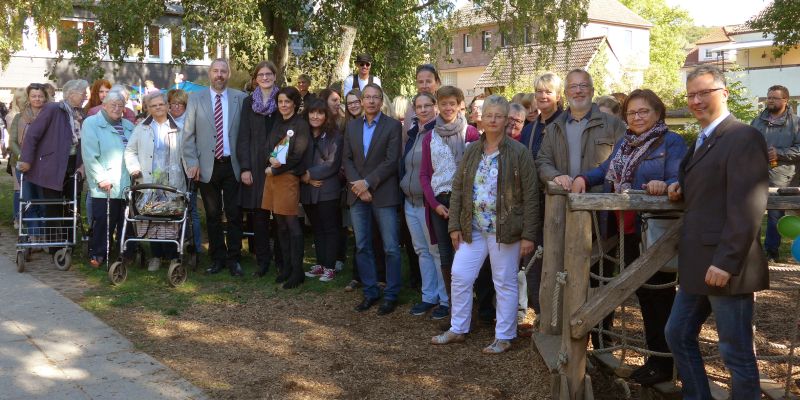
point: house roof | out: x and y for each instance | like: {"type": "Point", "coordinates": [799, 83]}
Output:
{"type": "Point", "coordinates": [715, 35]}
{"type": "Point", "coordinates": [609, 11]}
{"type": "Point", "coordinates": [739, 29]}
{"type": "Point", "coordinates": [498, 72]}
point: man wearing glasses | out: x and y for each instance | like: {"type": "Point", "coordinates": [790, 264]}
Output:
{"type": "Point", "coordinates": [781, 130]}
{"type": "Point", "coordinates": [578, 140]}
{"type": "Point", "coordinates": [723, 181]}
{"type": "Point", "coordinates": [362, 76]}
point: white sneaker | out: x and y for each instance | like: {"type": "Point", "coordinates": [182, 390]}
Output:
{"type": "Point", "coordinates": [315, 271]}
{"type": "Point", "coordinates": [154, 264]}
{"type": "Point", "coordinates": [328, 275]}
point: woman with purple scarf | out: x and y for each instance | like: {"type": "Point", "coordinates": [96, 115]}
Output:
{"type": "Point", "coordinates": [647, 157]}
{"type": "Point", "coordinates": [259, 112]}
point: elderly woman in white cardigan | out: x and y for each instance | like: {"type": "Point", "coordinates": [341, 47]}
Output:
{"type": "Point", "coordinates": [153, 155]}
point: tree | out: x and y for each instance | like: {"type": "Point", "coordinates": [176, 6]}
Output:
{"type": "Point", "coordinates": [400, 34]}
{"type": "Point", "coordinates": [780, 19]}
{"type": "Point", "coordinates": [672, 32]}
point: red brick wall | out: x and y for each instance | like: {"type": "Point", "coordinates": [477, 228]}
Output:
{"type": "Point", "coordinates": [477, 57]}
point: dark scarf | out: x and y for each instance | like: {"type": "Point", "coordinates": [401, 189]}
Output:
{"type": "Point", "coordinates": [454, 135]}
{"type": "Point", "coordinates": [262, 107]}
{"type": "Point", "coordinates": [630, 154]}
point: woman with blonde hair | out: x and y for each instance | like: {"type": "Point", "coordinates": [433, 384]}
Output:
{"type": "Point", "coordinates": [399, 108]}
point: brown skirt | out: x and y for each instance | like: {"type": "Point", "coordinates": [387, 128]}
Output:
{"type": "Point", "coordinates": [281, 194]}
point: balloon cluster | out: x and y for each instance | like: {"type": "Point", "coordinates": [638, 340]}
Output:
{"type": "Point", "coordinates": [789, 227]}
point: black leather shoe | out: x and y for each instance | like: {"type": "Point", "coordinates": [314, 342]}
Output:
{"type": "Point", "coordinates": [652, 376]}
{"type": "Point", "coordinates": [236, 269]}
{"type": "Point", "coordinates": [387, 307]}
{"type": "Point", "coordinates": [214, 269]}
{"type": "Point", "coordinates": [366, 304]}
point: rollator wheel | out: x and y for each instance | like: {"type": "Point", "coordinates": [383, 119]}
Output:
{"type": "Point", "coordinates": [63, 259]}
{"type": "Point", "coordinates": [28, 254]}
{"type": "Point", "coordinates": [176, 274]}
{"type": "Point", "coordinates": [20, 261]}
{"type": "Point", "coordinates": [117, 273]}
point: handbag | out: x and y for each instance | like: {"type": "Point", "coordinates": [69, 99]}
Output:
{"type": "Point", "coordinates": [653, 227]}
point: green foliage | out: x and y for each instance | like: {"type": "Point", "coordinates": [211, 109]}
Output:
{"type": "Point", "coordinates": [12, 23]}
{"type": "Point", "coordinates": [741, 102]}
{"type": "Point", "coordinates": [671, 33]}
{"type": "Point", "coordinates": [780, 19]}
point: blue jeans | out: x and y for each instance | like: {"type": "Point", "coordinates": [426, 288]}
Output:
{"type": "Point", "coordinates": [734, 318]}
{"type": "Point", "coordinates": [361, 215]}
{"type": "Point", "coordinates": [30, 191]}
{"type": "Point", "coordinates": [772, 239]}
{"type": "Point", "coordinates": [433, 289]}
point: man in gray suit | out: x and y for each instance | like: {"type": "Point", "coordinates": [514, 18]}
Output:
{"type": "Point", "coordinates": [724, 181]}
{"type": "Point", "coordinates": [209, 151]}
{"type": "Point", "coordinates": [371, 155]}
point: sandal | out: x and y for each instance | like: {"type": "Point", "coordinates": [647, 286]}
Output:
{"type": "Point", "coordinates": [95, 262]}
{"type": "Point", "coordinates": [497, 347]}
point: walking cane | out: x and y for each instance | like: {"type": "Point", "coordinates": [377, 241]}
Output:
{"type": "Point", "coordinates": [108, 225]}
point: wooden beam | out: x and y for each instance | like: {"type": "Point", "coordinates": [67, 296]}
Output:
{"type": "Point", "coordinates": [547, 346]}
{"type": "Point", "coordinates": [552, 261]}
{"type": "Point", "coordinates": [611, 295]}
{"type": "Point", "coordinates": [577, 253]}
{"type": "Point", "coordinates": [635, 201]}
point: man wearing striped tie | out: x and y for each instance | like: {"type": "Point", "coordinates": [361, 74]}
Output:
{"type": "Point", "coordinates": [209, 154]}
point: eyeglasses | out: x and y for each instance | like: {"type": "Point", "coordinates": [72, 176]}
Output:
{"type": "Point", "coordinates": [177, 105]}
{"type": "Point", "coordinates": [643, 113]}
{"type": "Point", "coordinates": [424, 106]}
{"type": "Point", "coordinates": [376, 98]}
{"type": "Point", "coordinates": [775, 98]}
{"type": "Point", "coordinates": [37, 86]}
{"type": "Point", "coordinates": [353, 103]}
{"type": "Point", "coordinates": [265, 75]}
{"type": "Point", "coordinates": [702, 95]}
{"type": "Point", "coordinates": [579, 86]}
{"type": "Point", "coordinates": [516, 121]}
{"type": "Point", "coordinates": [364, 64]}
{"type": "Point", "coordinates": [116, 106]}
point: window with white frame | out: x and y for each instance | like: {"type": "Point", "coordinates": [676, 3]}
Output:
{"type": "Point", "coordinates": [467, 43]}
{"type": "Point", "coordinates": [449, 78]}
{"type": "Point", "coordinates": [486, 40]}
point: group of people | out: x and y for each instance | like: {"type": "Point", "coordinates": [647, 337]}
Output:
{"type": "Point", "coordinates": [464, 192]}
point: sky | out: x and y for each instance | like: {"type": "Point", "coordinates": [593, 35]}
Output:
{"type": "Point", "coordinates": [712, 12]}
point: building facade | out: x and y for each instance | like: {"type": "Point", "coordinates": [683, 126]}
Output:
{"type": "Point", "coordinates": [163, 45]}
{"type": "Point", "coordinates": [476, 38]}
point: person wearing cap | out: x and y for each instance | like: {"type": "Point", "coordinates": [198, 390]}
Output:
{"type": "Point", "coordinates": [363, 77]}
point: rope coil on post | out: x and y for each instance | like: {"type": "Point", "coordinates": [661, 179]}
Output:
{"type": "Point", "coordinates": [561, 280]}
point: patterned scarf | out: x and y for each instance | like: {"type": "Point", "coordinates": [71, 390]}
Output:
{"type": "Point", "coordinates": [75, 119]}
{"type": "Point", "coordinates": [453, 134]}
{"type": "Point", "coordinates": [261, 107]}
{"type": "Point", "coordinates": [630, 154]}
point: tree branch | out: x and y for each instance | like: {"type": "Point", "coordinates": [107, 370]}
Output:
{"type": "Point", "coordinates": [422, 6]}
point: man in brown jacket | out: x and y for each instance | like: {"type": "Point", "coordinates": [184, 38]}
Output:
{"type": "Point", "coordinates": [724, 181]}
{"type": "Point", "coordinates": [580, 138]}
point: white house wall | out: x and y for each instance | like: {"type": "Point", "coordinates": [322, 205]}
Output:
{"type": "Point", "coordinates": [634, 55]}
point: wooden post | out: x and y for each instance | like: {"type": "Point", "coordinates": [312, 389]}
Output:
{"type": "Point", "coordinates": [577, 254]}
{"type": "Point", "coordinates": [552, 259]}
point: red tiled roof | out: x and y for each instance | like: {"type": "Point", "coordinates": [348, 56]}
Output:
{"type": "Point", "coordinates": [715, 35]}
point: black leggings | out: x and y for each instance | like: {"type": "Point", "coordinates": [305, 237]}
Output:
{"type": "Point", "coordinates": [325, 218]}
{"type": "Point", "coordinates": [288, 226]}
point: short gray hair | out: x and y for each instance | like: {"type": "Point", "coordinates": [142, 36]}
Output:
{"type": "Point", "coordinates": [122, 89]}
{"type": "Point", "coordinates": [75, 85]}
{"type": "Point", "coordinates": [714, 71]}
{"type": "Point", "coordinates": [580, 71]}
{"type": "Point", "coordinates": [155, 95]}
{"type": "Point", "coordinates": [114, 96]}
{"type": "Point", "coordinates": [516, 109]}
{"type": "Point", "coordinates": [495, 101]}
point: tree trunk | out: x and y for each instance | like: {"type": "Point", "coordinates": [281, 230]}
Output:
{"type": "Point", "coordinates": [279, 52]}
{"type": "Point", "coordinates": [345, 51]}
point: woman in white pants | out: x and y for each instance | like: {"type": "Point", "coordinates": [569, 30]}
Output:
{"type": "Point", "coordinates": [494, 211]}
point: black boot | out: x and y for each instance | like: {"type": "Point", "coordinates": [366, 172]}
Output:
{"type": "Point", "coordinates": [263, 268]}
{"type": "Point", "coordinates": [284, 268]}
{"type": "Point", "coordinates": [295, 261]}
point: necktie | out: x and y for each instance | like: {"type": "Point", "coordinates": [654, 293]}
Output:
{"type": "Point", "coordinates": [700, 139]}
{"type": "Point", "coordinates": [218, 125]}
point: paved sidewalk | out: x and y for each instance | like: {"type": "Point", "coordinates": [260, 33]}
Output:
{"type": "Point", "coordinates": [50, 348]}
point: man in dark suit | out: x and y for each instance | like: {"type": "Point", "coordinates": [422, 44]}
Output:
{"type": "Point", "coordinates": [209, 152]}
{"type": "Point", "coordinates": [724, 181]}
{"type": "Point", "coordinates": [371, 154]}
